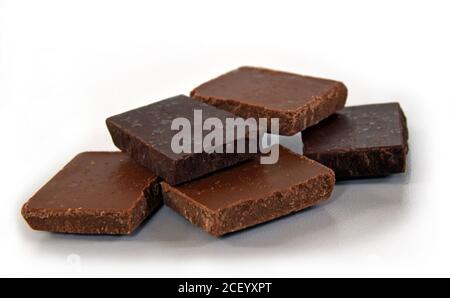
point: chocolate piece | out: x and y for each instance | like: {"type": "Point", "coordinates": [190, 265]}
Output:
{"type": "Point", "coordinates": [298, 101]}
{"type": "Point", "coordinates": [96, 193]}
{"type": "Point", "coordinates": [251, 193]}
{"type": "Point", "coordinates": [146, 135]}
{"type": "Point", "coordinates": [360, 141]}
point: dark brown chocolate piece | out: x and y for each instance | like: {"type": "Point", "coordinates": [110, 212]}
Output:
{"type": "Point", "coordinates": [96, 193]}
{"type": "Point", "coordinates": [298, 101]}
{"type": "Point", "coordinates": [250, 193]}
{"type": "Point", "coordinates": [146, 135]}
{"type": "Point", "coordinates": [360, 141]}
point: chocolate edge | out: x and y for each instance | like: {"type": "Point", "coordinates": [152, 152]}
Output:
{"type": "Point", "coordinates": [212, 221]}
{"type": "Point", "coordinates": [73, 221]}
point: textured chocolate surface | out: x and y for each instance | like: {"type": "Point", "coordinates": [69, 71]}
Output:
{"type": "Point", "coordinates": [360, 141]}
{"type": "Point", "coordinates": [145, 134]}
{"type": "Point", "coordinates": [96, 193]}
{"type": "Point", "coordinates": [250, 193]}
{"type": "Point", "coordinates": [299, 101]}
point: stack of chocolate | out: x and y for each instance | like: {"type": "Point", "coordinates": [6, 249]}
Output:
{"type": "Point", "coordinates": [219, 191]}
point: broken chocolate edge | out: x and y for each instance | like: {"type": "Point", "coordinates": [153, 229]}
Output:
{"type": "Point", "coordinates": [212, 220]}
{"type": "Point", "coordinates": [103, 222]}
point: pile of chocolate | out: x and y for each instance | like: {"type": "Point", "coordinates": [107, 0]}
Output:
{"type": "Point", "coordinates": [222, 192]}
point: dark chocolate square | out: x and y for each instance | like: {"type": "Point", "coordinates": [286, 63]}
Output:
{"type": "Point", "coordinates": [360, 141]}
{"type": "Point", "coordinates": [146, 135]}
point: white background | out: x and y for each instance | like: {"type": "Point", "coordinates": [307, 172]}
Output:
{"type": "Point", "coordinates": [67, 65]}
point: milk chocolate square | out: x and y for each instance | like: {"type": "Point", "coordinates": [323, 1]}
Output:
{"type": "Point", "coordinates": [96, 193]}
{"type": "Point", "coordinates": [298, 101]}
{"type": "Point", "coordinates": [251, 193]}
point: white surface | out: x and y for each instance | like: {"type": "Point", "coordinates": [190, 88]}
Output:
{"type": "Point", "coordinates": [67, 65]}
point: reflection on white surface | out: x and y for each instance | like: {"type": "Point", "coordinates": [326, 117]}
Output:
{"type": "Point", "coordinates": [359, 210]}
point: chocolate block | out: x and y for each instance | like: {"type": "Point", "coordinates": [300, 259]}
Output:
{"type": "Point", "coordinates": [96, 193]}
{"type": "Point", "coordinates": [251, 193]}
{"type": "Point", "coordinates": [360, 141]}
{"type": "Point", "coordinates": [298, 101]}
{"type": "Point", "coordinates": [146, 135]}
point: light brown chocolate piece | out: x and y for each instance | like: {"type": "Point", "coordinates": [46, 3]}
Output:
{"type": "Point", "coordinates": [251, 193]}
{"type": "Point", "coordinates": [298, 101]}
{"type": "Point", "coordinates": [96, 193]}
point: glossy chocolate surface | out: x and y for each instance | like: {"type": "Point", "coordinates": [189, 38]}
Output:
{"type": "Point", "coordinates": [96, 193]}
{"type": "Point", "coordinates": [299, 101]}
{"type": "Point", "coordinates": [251, 193]}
